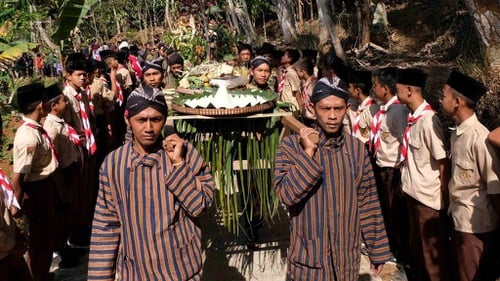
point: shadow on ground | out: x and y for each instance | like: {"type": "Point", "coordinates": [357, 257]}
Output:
{"type": "Point", "coordinates": [225, 256]}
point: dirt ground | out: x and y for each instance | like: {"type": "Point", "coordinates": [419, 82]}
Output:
{"type": "Point", "coordinates": [226, 257]}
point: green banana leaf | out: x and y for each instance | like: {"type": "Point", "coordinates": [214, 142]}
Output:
{"type": "Point", "coordinates": [12, 52]}
{"type": "Point", "coordinates": [70, 16]}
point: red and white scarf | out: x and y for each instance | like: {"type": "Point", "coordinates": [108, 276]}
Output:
{"type": "Point", "coordinates": [412, 120]}
{"type": "Point", "coordinates": [120, 94]}
{"type": "Point", "coordinates": [364, 105]}
{"type": "Point", "coordinates": [45, 137]}
{"type": "Point", "coordinates": [72, 134]}
{"type": "Point", "coordinates": [281, 84]}
{"type": "Point", "coordinates": [8, 193]}
{"type": "Point", "coordinates": [304, 93]}
{"type": "Point", "coordinates": [89, 135]}
{"type": "Point", "coordinates": [120, 98]}
{"type": "Point", "coordinates": [377, 124]}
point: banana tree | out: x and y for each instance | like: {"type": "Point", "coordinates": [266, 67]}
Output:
{"type": "Point", "coordinates": [70, 16]}
{"type": "Point", "coordinates": [9, 53]}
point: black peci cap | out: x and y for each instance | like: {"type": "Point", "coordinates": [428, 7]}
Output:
{"type": "Point", "coordinates": [31, 93]}
{"type": "Point", "coordinates": [466, 85]}
{"type": "Point", "coordinates": [411, 76]}
{"type": "Point", "coordinates": [53, 91]}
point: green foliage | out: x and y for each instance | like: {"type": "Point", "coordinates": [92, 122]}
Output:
{"type": "Point", "coordinates": [195, 82]}
{"type": "Point", "coordinates": [5, 141]}
{"type": "Point", "coordinates": [226, 40]}
{"type": "Point", "coordinates": [241, 142]}
{"type": "Point", "coordinates": [256, 7]}
{"type": "Point", "coordinates": [13, 51]}
{"type": "Point", "coordinates": [70, 15]}
{"type": "Point", "coordinates": [9, 7]}
{"type": "Point", "coordinates": [191, 45]}
{"type": "Point", "coordinates": [19, 25]}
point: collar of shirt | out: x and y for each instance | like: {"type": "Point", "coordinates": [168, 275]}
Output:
{"type": "Point", "coordinates": [389, 103]}
{"type": "Point", "coordinates": [73, 91]}
{"type": "Point", "coordinates": [28, 120]}
{"type": "Point", "coordinates": [311, 79]}
{"type": "Point", "coordinates": [54, 118]}
{"type": "Point", "coordinates": [266, 88]}
{"type": "Point", "coordinates": [419, 109]}
{"type": "Point", "coordinates": [149, 160]}
{"type": "Point", "coordinates": [468, 123]}
{"type": "Point", "coordinates": [364, 103]}
{"type": "Point", "coordinates": [330, 142]}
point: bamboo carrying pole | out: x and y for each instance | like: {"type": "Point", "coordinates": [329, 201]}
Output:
{"type": "Point", "coordinates": [296, 125]}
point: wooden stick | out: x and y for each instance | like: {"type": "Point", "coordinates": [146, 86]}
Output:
{"type": "Point", "coordinates": [296, 125]}
{"type": "Point", "coordinates": [377, 47]}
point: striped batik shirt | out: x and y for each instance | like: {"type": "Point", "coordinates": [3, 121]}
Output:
{"type": "Point", "coordinates": [333, 205]}
{"type": "Point", "coordinates": [145, 223]}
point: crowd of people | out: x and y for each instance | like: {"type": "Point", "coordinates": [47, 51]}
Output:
{"type": "Point", "coordinates": [38, 64]}
{"type": "Point", "coordinates": [94, 169]}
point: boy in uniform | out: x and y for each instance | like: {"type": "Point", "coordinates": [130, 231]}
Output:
{"type": "Point", "coordinates": [474, 185]}
{"type": "Point", "coordinates": [289, 82]}
{"type": "Point", "coordinates": [360, 85]}
{"type": "Point", "coordinates": [34, 162]}
{"type": "Point", "coordinates": [305, 70]}
{"type": "Point", "coordinates": [124, 85]}
{"type": "Point", "coordinates": [68, 148]}
{"type": "Point", "coordinates": [242, 67]}
{"type": "Point", "coordinates": [78, 114]}
{"type": "Point", "coordinates": [386, 137]}
{"type": "Point", "coordinates": [424, 176]}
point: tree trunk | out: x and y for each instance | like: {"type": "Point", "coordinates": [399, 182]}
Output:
{"type": "Point", "coordinates": [365, 33]}
{"type": "Point", "coordinates": [43, 35]}
{"type": "Point", "coordinates": [286, 20]}
{"type": "Point", "coordinates": [486, 15]}
{"type": "Point", "coordinates": [167, 22]}
{"type": "Point", "coordinates": [205, 31]}
{"type": "Point", "coordinates": [328, 26]}
{"type": "Point", "coordinates": [234, 18]}
{"type": "Point", "coordinates": [116, 20]}
{"type": "Point", "coordinates": [94, 23]}
{"type": "Point", "coordinates": [241, 12]}
{"type": "Point", "coordinates": [311, 10]}
{"type": "Point", "coordinates": [301, 16]}
{"type": "Point", "coordinates": [264, 26]}
{"type": "Point", "coordinates": [359, 21]}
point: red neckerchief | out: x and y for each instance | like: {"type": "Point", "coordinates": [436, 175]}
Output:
{"type": "Point", "coordinates": [412, 120]}
{"type": "Point", "coordinates": [45, 136]}
{"type": "Point", "coordinates": [376, 124]}
{"type": "Point", "coordinates": [89, 135]}
{"type": "Point", "coordinates": [357, 119]}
